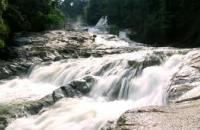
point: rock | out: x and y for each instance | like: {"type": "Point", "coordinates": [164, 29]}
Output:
{"type": "Point", "coordinates": [186, 78]}
{"type": "Point", "coordinates": [76, 88]}
{"type": "Point", "coordinates": [3, 123]}
{"type": "Point", "coordinates": [184, 116]}
{"type": "Point", "coordinates": [110, 125]}
{"type": "Point", "coordinates": [65, 91]}
{"type": "Point", "coordinates": [34, 48]}
{"type": "Point", "coordinates": [8, 112]}
{"type": "Point", "coordinates": [150, 60]}
{"type": "Point", "coordinates": [81, 85]}
{"type": "Point", "coordinates": [79, 39]}
{"type": "Point", "coordinates": [191, 95]}
{"type": "Point", "coordinates": [184, 103]}
{"type": "Point", "coordinates": [13, 110]}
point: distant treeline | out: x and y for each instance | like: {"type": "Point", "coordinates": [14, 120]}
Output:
{"type": "Point", "coordinates": [28, 15]}
{"type": "Point", "coordinates": [160, 22]}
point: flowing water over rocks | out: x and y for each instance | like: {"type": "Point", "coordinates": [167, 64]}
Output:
{"type": "Point", "coordinates": [80, 81]}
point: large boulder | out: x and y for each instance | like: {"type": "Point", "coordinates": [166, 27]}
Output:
{"type": "Point", "coordinates": [75, 88]}
{"type": "Point", "coordinates": [184, 116]}
{"type": "Point", "coordinates": [182, 112]}
{"type": "Point", "coordinates": [186, 79]}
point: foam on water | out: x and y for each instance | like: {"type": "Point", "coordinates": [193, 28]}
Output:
{"type": "Point", "coordinates": [117, 89]}
{"type": "Point", "coordinates": [24, 89]}
{"type": "Point", "coordinates": [112, 43]}
{"type": "Point", "coordinates": [74, 114]}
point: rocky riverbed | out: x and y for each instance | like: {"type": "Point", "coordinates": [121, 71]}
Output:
{"type": "Point", "coordinates": [43, 49]}
{"type": "Point", "coordinates": [35, 48]}
{"type": "Point", "coordinates": [182, 112]}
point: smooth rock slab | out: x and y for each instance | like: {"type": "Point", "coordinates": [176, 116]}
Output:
{"type": "Point", "coordinates": [187, 77]}
{"type": "Point", "coordinates": [184, 116]}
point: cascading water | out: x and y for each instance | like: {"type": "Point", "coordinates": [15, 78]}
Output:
{"type": "Point", "coordinates": [103, 22]}
{"type": "Point", "coordinates": [101, 27]}
{"type": "Point", "coordinates": [122, 82]}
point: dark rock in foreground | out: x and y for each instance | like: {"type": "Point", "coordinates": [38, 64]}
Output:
{"type": "Point", "coordinates": [76, 88]}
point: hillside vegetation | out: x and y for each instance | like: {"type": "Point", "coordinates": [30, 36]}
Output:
{"type": "Point", "coordinates": [28, 15]}
{"type": "Point", "coordinates": [160, 22]}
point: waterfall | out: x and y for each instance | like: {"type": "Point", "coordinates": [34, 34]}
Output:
{"type": "Point", "coordinates": [101, 26]}
{"type": "Point", "coordinates": [122, 82]}
{"type": "Point", "coordinates": [123, 35]}
{"type": "Point", "coordinates": [103, 22]}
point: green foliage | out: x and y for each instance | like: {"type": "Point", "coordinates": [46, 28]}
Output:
{"type": "Point", "coordinates": [34, 15]}
{"type": "Point", "coordinates": [73, 8]}
{"type": "Point", "coordinates": [4, 30]}
{"type": "Point", "coordinates": [3, 5]}
{"type": "Point", "coordinates": [28, 15]}
{"type": "Point", "coordinates": [114, 29]}
{"type": "Point", "coordinates": [2, 44]}
{"type": "Point", "coordinates": [53, 20]}
{"type": "Point", "coordinates": [16, 20]}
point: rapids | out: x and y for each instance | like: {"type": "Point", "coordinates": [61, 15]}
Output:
{"type": "Point", "coordinates": [122, 81]}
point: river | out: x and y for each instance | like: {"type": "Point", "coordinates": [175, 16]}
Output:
{"type": "Point", "coordinates": [119, 82]}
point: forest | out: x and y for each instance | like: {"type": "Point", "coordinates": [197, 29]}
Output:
{"type": "Point", "coordinates": [155, 22]}
{"type": "Point", "coordinates": [99, 64]}
{"type": "Point", "coordinates": [28, 16]}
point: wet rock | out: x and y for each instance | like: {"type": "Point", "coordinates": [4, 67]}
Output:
{"type": "Point", "coordinates": [110, 125]}
{"type": "Point", "coordinates": [79, 39]}
{"type": "Point", "coordinates": [3, 123]}
{"type": "Point", "coordinates": [81, 85]}
{"type": "Point", "coordinates": [76, 88]}
{"type": "Point", "coordinates": [85, 54]}
{"type": "Point", "coordinates": [8, 112]}
{"type": "Point", "coordinates": [12, 69]}
{"type": "Point", "coordinates": [65, 91]}
{"type": "Point", "coordinates": [150, 60]}
{"type": "Point", "coordinates": [58, 58]}
{"type": "Point", "coordinates": [34, 48]}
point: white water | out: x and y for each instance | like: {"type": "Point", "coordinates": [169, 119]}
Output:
{"type": "Point", "coordinates": [104, 103]}
{"type": "Point", "coordinates": [101, 26]}
{"type": "Point", "coordinates": [102, 23]}
{"type": "Point", "coordinates": [102, 43]}
{"type": "Point", "coordinates": [123, 35]}
{"type": "Point", "coordinates": [122, 82]}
